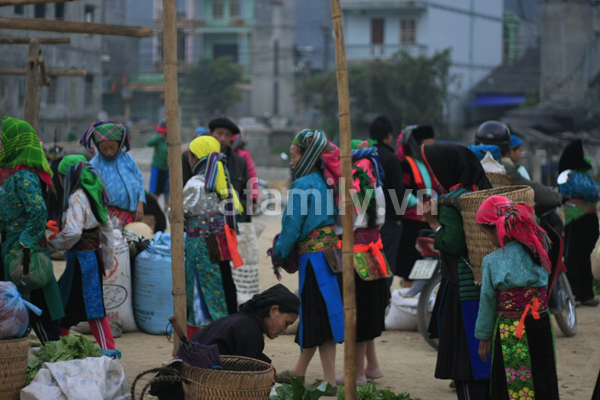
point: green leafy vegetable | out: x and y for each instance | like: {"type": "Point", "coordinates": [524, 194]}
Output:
{"type": "Point", "coordinates": [65, 349]}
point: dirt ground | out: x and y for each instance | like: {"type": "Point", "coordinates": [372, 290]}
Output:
{"type": "Point", "coordinates": [407, 360]}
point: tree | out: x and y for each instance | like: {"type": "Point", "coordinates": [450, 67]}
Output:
{"type": "Point", "coordinates": [409, 90]}
{"type": "Point", "coordinates": [214, 85]}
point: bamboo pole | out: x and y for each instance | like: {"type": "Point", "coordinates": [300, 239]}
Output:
{"type": "Point", "coordinates": [31, 108]}
{"type": "Point", "coordinates": [47, 25]}
{"type": "Point", "coordinates": [49, 72]}
{"type": "Point", "coordinates": [348, 209]}
{"type": "Point", "coordinates": [27, 2]}
{"type": "Point", "coordinates": [25, 40]}
{"type": "Point", "coordinates": [175, 167]}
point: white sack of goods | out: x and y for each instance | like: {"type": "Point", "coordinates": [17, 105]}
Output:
{"type": "Point", "coordinates": [403, 312]}
{"type": "Point", "coordinates": [246, 276]}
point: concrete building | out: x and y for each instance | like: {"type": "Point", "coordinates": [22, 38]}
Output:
{"type": "Point", "coordinates": [472, 29]}
{"type": "Point", "coordinates": [314, 37]}
{"type": "Point", "coordinates": [521, 29]}
{"type": "Point", "coordinates": [70, 102]}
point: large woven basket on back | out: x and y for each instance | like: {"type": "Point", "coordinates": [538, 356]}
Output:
{"type": "Point", "coordinates": [477, 242]}
{"type": "Point", "coordinates": [498, 179]}
{"type": "Point", "coordinates": [13, 367]}
{"type": "Point", "coordinates": [241, 378]}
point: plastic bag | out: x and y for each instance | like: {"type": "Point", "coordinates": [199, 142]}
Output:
{"type": "Point", "coordinates": [14, 316]}
{"type": "Point", "coordinates": [40, 267]}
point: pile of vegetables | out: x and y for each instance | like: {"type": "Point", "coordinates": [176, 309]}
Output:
{"type": "Point", "coordinates": [65, 349]}
{"type": "Point", "coordinates": [297, 391]}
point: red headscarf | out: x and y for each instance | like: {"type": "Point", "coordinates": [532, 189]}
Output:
{"type": "Point", "coordinates": [515, 221]}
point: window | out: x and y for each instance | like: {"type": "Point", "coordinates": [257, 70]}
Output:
{"type": "Point", "coordinates": [59, 11]}
{"type": "Point", "coordinates": [20, 10]}
{"type": "Point", "coordinates": [180, 44]}
{"type": "Point", "coordinates": [89, 14]}
{"type": "Point", "coordinates": [51, 93]}
{"type": "Point", "coordinates": [89, 90]}
{"type": "Point", "coordinates": [408, 31]}
{"type": "Point", "coordinates": [377, 25]}
{"type": "Point", "coordinates": [21, 92]}
{"type": "Point", "coordinates": [217, 9]}
{"type": "Point", "coordinates": [39, 11]}
{"type": "Point", "coordinates": [234, 9]}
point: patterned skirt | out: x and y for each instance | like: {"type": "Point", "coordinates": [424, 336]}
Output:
{"type": "Point", "coordinates": [523, 360]}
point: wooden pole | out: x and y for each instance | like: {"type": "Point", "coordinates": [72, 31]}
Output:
{"type": "Point", "coordinates": [348, 236]}
{"type": "Point", "coordinates": [25, 40]}
{"type": "Point", "coordinates": [49, 72]}
{"type": "Point", "coordinates": [175, 167]}
{"type": "Point", "coordinates": [47, 25]}
{"type": "Point", "coordinates": [27, 2]}
{"type": "Point", "coordinates": [32, 85]}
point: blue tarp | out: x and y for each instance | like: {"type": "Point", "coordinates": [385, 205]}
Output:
{"type": "Point", "coordinates": [492, 100]}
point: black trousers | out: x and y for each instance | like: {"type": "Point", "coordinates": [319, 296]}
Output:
{"type": "Point", "coordinates": [581, 236]}
{"type": "Point", "coordinates": [229, 287]}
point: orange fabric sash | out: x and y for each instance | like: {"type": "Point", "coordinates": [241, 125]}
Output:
{"type": "Point", "coordinates": [375, 249]}
{"type": "Point", "coordinates": [231, 237]}
{"type": "Point", "coordinates": [416, 173]}
{"type": "Point", "coordinates": [534, 311]}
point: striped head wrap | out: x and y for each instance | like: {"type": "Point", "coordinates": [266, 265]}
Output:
{"type": "Point", "coordinates": [238, 141]}
{"type": "Point", "coordinates": [363, 150]}
{"type": "Point", "coordinates": [515, 221]}
{"type": "Point", "coordinates": [103, 131]}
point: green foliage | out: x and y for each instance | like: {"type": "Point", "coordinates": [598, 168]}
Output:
{"type": "Point", "coordinates": [409, 90]}
{"type": "Point", "coordinates": [297, 391]}
{"type": "Point", "coordinates": [214, 85]}
{"type": "Point", "coordinates": [65, 349]}
{"type": "Point", "coordinates": [531, 98]}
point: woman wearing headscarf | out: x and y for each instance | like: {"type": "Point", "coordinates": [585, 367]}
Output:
{"type": "Point", "coordinates": [370, 265]}
{"type": "Point", "coordinates": [211, 236]}
{"type": "Point", "coordinates": [581, 220]}
{"type": "Point", "coordinates": [87, 238]}
{"type": "Point", "coordinates": [458, 171]}
{"type": "Point", "coordinates": [24, 176]}
{"type": "Point", "coordinates": [419, 179]}
{"type": "Point", "coordinates": [122, 176]}
{"type": "Point", "coordinates": [308, 227]}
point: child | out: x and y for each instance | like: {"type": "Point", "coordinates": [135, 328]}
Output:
{"type": "Point", "coordinates": [86, 231]}
{"type": "Point", "coordinates": [514, 283]}
{"type": "Point", "coordinates": [120, 173]}
{"type": "Point", "coordinates": [159, 174]}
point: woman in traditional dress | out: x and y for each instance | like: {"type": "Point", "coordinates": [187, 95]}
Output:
{"type": "Point", "coordinates": [458, 171]}
{"type": "Point", "coordinates": [515, 278]}
{"type": "Point", "coordinates": [370, 265]}
{"type": "Point", "coordinates": [581, 220]}
{"type": "Point", "coordinates": [87, 237]}
{"type": "Point", "coordinates": [210, 235]}
{"type": "Point", "coordinates": [120, 173]}
{"type": "Point", "coordinates": [419, 179]}
{"type": "Point", "coordinates": [24, 176]}
{"type": "Point", "coordinates": [308, 226]}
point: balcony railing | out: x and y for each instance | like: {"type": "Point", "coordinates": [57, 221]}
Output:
{"type": "Point", "coordinates": [386, 4]}
{"type": "Point", "coordinates": [385, 51]}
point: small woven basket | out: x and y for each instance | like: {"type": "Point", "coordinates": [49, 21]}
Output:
{"type": "Point", "coordinates": [477, 242]}
{"type": "Point", "coordinates": [13, 367]}
{"type": "Point", "coordinates": [498, 179]}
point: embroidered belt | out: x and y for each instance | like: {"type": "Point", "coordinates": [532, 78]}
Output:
{"type": "Point", "coordinates": [213, 228]}
{"type": "Point", "coordinates": [516, 303]}
{"type": "Point", "coordinates": [89, 241]}
{"type": "Point", "coordinates": [323, 240]}
{"type": "Point", "coordinates": [369, 241]}
{"type": "Point", "coordinates": [205, 225]}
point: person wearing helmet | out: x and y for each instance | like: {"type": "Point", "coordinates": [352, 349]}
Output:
{"type": "Point", "coordinates": [496, 133]}
{"type": "Point", "coordinates": [159, 175]}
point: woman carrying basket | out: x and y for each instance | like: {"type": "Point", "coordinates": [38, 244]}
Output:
{"type": "Point", "coordinates": [458, 171]}
{"type": "Point", "coordinates": [308, 226]}
{"type": "Point", "coordinates": [514, 322]}
{"type": "Point", "coordinates": [24, 177]}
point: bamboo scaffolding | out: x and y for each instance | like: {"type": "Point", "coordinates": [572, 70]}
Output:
{"type": "Point", "coordinates": [46, 25]}
{"type": "Point", "coordinates": [25, 40]}
{"type": "Point", "coordinates": [346, 203]}
{"type": "Point", "coordinates": [27, 2]}
{"type": "Point", "coordinates": [175, 167]}
{"type": "Point", "coordinates": [49, 72]}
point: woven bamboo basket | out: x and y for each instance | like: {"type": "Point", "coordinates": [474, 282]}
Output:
{"type": "Point", "coordinates": [498, 179]}
{"type": "Point", "coordinates": [477, 242]}
{"type": "Point", "coordinates": [13, 367]}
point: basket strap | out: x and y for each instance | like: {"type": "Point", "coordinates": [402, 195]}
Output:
{"type": "Point", "coordinates": [447, 201]}
{"type": "Point", "coordinates": [154, 370]}
{"type": "Point", "coordinates": [175, 378]}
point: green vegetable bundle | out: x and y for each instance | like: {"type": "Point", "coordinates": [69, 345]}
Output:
{"type": "Point", "coordinates": [65, 349]}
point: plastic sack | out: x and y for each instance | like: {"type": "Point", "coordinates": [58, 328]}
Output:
{"type": "Point", "coordinates": [152, 286]}
{"type": "Point", "coordinates": [490, 165]}
{"type": "Point", "coordinates": [403, 312]}
{"type": "Point", "coordinates": [246, 276]}
{"type": "Point", "coordinates": [91, 378]}
{"type": "Point", "coordinates": [116, 286]}
{"type": "Point", "coordinates": [14, 316]}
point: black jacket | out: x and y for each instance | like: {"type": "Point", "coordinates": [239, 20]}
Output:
{"type": "Point", "coordinates": [238, 174]}
{"type": "Point", "coordinates": [393, 181]}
